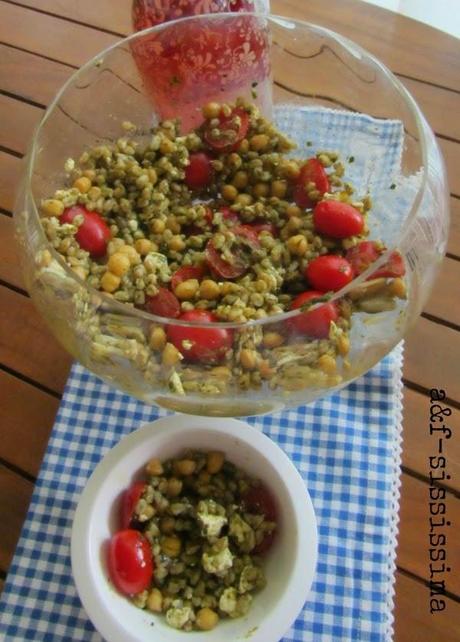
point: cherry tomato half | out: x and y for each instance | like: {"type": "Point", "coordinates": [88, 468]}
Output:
{"type": "Point", "coordinates": [186, 272]}
{"type": "Point", "coordinates": [265, 227]}
{"type": "Point", "coordinates": [338, 220]}
{"type": "Point", "coordinates": [329, 272]}
{"type": "Point", "coordinates": [128, 503]}
{"type": "Point", "coordinates": [93, 234]}
{"type": "Point", "coordinates": [315, 323]}
{"type": "Point", "coordinates": [229, 216]}
{"type": "Point", "coordinates": [259, 500]}
{"type": "Point", "coordinates": [365, 253]}
{"type": "Point", "coordinates": [199, 172]}
{"type": "Point", "coordinates": [222, 268]}
{"type": "Point", "coordinates": [248, 235]}
{"type": "Point", "coordinates": [206, 345]}
{"type": "Point", "coordinates": [130, 562]}
{"type": "Point", "coordinates": [311, 172]}
{"type": "Point", "coordinates": [163, 304]}
{"type": "Point", "coordinates": [232, 130]}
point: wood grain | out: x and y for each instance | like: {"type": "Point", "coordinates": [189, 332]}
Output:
{"type": "Point", "coordinates": [414, 533]}
{"type": "Point", "coordinates": [453, 245]}
{"type": "Point", "coordinates": [419, 445]}
{"type": "Point", "coordinates": [10, 173]}
{"type": "Point", "coordinates": [413, 620]}
{"type": "Point", "coordinates": [25, 426]}
{"type": "Point", "coordinates": [10, 271]}
{"type": "Point", "coordinates": [18, 120]}
{"type": "Point", "coordinates": [431, 357]}
{"type": "Point", "coordinates": [15, 494]}
{"type": "Point", "coordinates": [451, 153]}
{"type": "Point", "coordinates": [26, 344]}
{"type": "Point", "coordinates": [443, 303]}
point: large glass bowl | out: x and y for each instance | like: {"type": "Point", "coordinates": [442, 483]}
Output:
{"type": "Point", "coordinates": [311, 69]}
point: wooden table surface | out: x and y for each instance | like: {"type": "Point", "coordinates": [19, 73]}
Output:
{"type": "Point", "coordinates": [41, 43]}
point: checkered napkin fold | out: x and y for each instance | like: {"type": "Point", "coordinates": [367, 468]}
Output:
{"type": "Point", "coordinates": [346, 447]}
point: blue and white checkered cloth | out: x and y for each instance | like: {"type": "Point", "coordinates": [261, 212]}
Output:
{"type": "Point", "coordinates": [346, 447]}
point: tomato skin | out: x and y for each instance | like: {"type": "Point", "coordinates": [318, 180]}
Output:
{"type": "Point", "coordinates": [229, 216]}
{"type": "Point", "coordinates": [128, 503]}
{"type": "Point", "coordinates": [226, 124]}
{"type": "Point", "coordinates": [163, 304]}
{"type": "Point", "coordinates": [338, 220]}
{"type": "Point", "coordinates": [93, 235]}
{"type": "Point", "coordinates": [130, 561]}
{"type": "Point", "coordinates": [186, 272]}
{"type": "Point", "coordinates": [199, 172]}
{"type": "Point", "coordinates": [222, 268]}
{"type": "Point", "coordinates": [208, 345]}
{"type": "Point", "coordinates": [259, 500]}
{"type": "Point", "coordinates": [315, 323]}
{"type": "Point", "coordinates": [265, 227]}
{"type": "Point", "coordinates": [311, 172]}
{"type": "Point", "coordinates": [248, 234]}
{"type": "Point", "coordinates": [362, 255]}
{"type": "Point", "coordinates": [329, 272]}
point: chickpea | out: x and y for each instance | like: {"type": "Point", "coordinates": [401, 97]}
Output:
{"type": "Point", "coordinates": [327, 364]}
{"type": "Point", "coordinates": [261, 190]}
{"type": "Point", "coordinates": [293, 211]}
{"type": "Point", "coordinates": [187, 289]}
{"type": "Point", "coordinates": [229, 193]}
{"type": "Point", "coordinates": [244, 199]}
{"type": "Point", "coordinates": [211, 110]}
{"type": "Point", "coordinates": [184, 467]}
{"type": "Point", "coordinates": [52, 207]}
{"type": "Point", "coordinates": [158, 226]}
{"type": "Point", "coordinates": [110, 282]}
{"type": "Point", "coordinates": [279, 189]}
{"type": "Point", "coordinates": [170, 355]}
{"type": "Point", "coordinates": [154, 467]}
{"type": "Point", "coordinates": [157, 339]}
{"type": "Point", "coordinates": [174, 487]}
{"type": "Point", "coordinates": [273, 339]}
{"type": "Point", "coordinates": [155, 601]}
{"type": "Point", "coordinates": [131, 253]}
{"type": "Point", "coordinates": [297, 245]}
{"type": "Point", "coordinates": [214, 461]}
{"type": "Point", "coordinates": [167, 146]}
{"type": "Point", "coordinates": [343, 345]}
{"type": "Point", "coordinates": [144, 246]}
{"type": "Point", "coordinates": [240, 180]}
{"type": "Point", "coordinates": [244, 146]}
{"type": "Point", "coordinates": [209, 290]}
{"type": "Point", "coordinates": [206, 619]}
{"type": "Point", "coordinates": [82, 184]}
{"type": "Point", "coordinates": [118, 263]}
{"type": "Point", "coordinates": [173, 224]}
{"type": "Point", "coordinates": [291, 169]}
{"type": "Point", "coordinates": [167, 525]}
{"type": "Point", "coordinates": [177, 243]}
{"type": "Point", "coordinates": [171, 546]}
{"type": "Point", "coordinates": [259, 142]}
{"type": "Point", "coordinates": [248, 358]}
{"type": "Point", "coordinates": [90, 173]}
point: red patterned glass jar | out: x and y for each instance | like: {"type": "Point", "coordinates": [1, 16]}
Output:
{"type": "Point", "coordinates": [188, 65]}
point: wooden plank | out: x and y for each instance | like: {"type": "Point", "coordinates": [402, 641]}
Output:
{"type": "Point", "coordinates": [413, 620]}
{"type": "Point", "coordinates": [58, 39]}
{"type": "Point", "coordinates": [10, 270]}
{"type": "Point", "coordinates": [414, 533]}
{"type": "Point", "coordinates": [18, 120]}
{"type": "Point", "coordinates": [453, 245]}
{"type": "Point", "coordinates": [26, 344]}
{"type": "Point", "coordinates": [440, 106]}
{"type": "Point", "coordinates": [25, 426]}
{"type": "Point", "coordinates": [406, 46]}
{"type": "Point", "coordinates": [419, 445]}
{"type": "Point", "coordinates": [31, 76]}
{"type": "Point", "coordinates": [432, 357]}
{"type": "Point", "coordinates": [10, 173]}
{"type": "Point", "coordinates": [443, 303]}
{"type": "Point", "coordinates": [15, 494]}
{"type": "Point", "coordinates": [451, 153]}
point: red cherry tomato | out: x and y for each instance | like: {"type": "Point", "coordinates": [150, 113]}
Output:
{"type": "Point", "coordinates": [232, 133]}
{"type": "Point", "coordinates": [259, 500]}
{"type": "Point", "coordinates": [186, 272]}
{"type": "Point", "coordinates": [163, 304]}
{"type": "Point", "coordinates": [222, 268]}
{"type": "Point", "coordinates": [329, 272]}
{"type": "Point", "coordinates": [337, 219]}
{"type": "Point", "coordinates": [265, 227]}
{"type": "Point", "coordinates": [248, 235]}
{"type": "Point", "coordinates": [241, 5]}
{"type": "Point", "coordinates": [129, 501]}
{"type": "Point", "coordinates": [367, 252]}
{"type": "Point", "coordinates": [311, 172]}
{"type": "Point", "coordinates": [315, 323]}
{"type": "Point", "coordinates": [199, 172]}
{"type": "Point", "coordinates": [93, 234]}
{"type": "Point", "coordinates": [229, 216]}
{"type": "Point", "coordinates": [206, 345]}
{"type": "Point", "coordinates": [130, 562]}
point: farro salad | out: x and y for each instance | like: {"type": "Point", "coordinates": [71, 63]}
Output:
{"type": "Point", "coordinates": [192, 540]}
{"type": "Point", "coordinates": [228, 223]}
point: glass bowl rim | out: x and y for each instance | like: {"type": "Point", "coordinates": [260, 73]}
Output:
{"type": "Point", "coordinates": [125, 309]}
